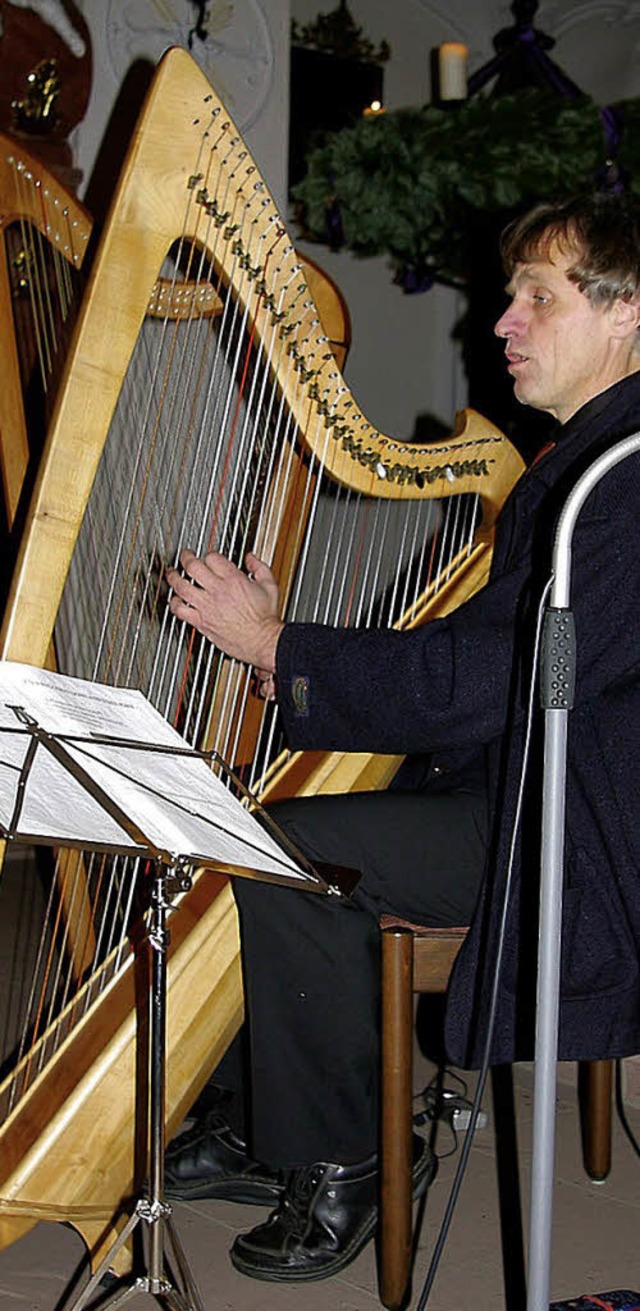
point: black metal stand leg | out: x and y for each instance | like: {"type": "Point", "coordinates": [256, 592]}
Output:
{"type": "Point", "coordinates": [152, 1210]}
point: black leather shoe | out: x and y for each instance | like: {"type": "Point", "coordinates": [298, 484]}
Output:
{"type": "Point", "coordinates": [326, 1216]}
{"type": "Point", "coordinates": [209, 1160]}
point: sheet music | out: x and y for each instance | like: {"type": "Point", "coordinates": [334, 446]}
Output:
{"type": "Point", "coordinates": [180, 805]}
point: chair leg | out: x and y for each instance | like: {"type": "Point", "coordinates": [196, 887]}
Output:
{"type": "Point", "coordinates": [597, 1081]}
{"type": "Point", "coordinates": [396, 1127]}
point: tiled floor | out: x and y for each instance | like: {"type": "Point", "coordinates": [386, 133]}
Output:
{"type": "Point", "coordinates": [596, 1234]}
{"type": "Point", "coordinates": [596, 1238]}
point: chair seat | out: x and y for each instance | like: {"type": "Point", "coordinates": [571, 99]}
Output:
{"type": "Point", "coordinates": [434, 951]}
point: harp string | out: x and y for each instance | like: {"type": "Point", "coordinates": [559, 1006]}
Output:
{"type": "Point", "coordinates": [242, 475]}
{"type": "Point", "coordinates": [45, 236]}
{"type": "Point", "coordinates": [137, 518]}
{"type": "Point", "coordinates": [49, 967]}
{"type": "Point", "coordinates": [42, 273]}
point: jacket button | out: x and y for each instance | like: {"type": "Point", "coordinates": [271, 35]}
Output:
{"type": "Point", "coordinates": [300, 694]}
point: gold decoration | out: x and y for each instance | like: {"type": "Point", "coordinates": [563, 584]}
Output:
{"type": "Point", "coordinates": [37, 113]}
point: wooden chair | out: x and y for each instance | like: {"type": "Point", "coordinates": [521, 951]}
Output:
{"type": "Point", "coordinates": [416, 959]}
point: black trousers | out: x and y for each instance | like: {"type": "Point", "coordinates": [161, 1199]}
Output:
{"type": "Point", "coordinates": [311, 963]}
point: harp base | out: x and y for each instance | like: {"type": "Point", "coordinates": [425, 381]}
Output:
{"type": "Point", "coordinates": [151, 1209]}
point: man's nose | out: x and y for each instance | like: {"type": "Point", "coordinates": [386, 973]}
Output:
{"type": "Point", "coordinates": [508, 322]}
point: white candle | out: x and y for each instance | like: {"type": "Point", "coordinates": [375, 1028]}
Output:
{"type": "Point", "coordinates": [452, 70]}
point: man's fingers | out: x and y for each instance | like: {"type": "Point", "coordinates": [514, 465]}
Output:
{"type": "Point", "coordinates": [217, 566]}
{"type": "Point", "coordinates": [183, 610]}
{"type": "Point", "coordinates": [265, 684]}
{"type": "Point", "coordinates": [197, 569]}
{"type": "Point", "coordinates": [261, 571]}
{"type": "Point", "coordinates": [185, 591]}
{"type": "Point", "coordinates": [203, 572]}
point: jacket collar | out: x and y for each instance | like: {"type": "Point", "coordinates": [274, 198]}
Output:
{"type": "Point", "coordinates": [613, 414]}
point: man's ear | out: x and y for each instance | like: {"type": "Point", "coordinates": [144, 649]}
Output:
{"type": "Point", "coordinates": [625, 317]}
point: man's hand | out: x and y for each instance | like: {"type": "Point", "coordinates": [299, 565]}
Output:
{"type": "Point", "coordinates": [236, 611]}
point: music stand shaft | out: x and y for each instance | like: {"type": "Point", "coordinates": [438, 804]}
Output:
{"type": "Point", "coordinates": [158, 941]}
{"type": "Point", "coordinates": [20, 820]}
{"type": "Point", "coordinates": [152, 1208]}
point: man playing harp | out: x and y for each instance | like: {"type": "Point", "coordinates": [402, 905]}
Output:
{"type": "Point", "coordinates": [452, 694]}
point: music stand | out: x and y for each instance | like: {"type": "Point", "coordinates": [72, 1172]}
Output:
{"type": "Point", "coordinates": [171, 874]}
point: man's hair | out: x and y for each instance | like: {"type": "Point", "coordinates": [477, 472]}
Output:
{"type": "Point", "coordinates": [602, 232]}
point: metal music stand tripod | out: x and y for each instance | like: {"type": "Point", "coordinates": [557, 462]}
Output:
{"type": "Point", "coordinates": [171, 875]}
{"type": "Point", "coordinates": [151, 1208]}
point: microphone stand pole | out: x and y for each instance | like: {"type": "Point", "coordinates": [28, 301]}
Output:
{"type": "Point", "coordinates": [557, 689]}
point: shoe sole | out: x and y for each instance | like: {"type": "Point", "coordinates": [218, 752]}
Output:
{"type": "Point", "coordinates": [277, 1275]}
{"type": "Point", "coordinates": [246, 1195]}
{"type": "Point", "coordinates": [423, 1175]}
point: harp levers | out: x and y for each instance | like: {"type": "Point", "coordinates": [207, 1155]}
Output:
{"type": "Point", "coordinates": [233, 430]}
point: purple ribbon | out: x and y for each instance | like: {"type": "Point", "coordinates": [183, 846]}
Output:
{"type": "Point", "coordinates": [413, 282]}
{"type": "Point", "coordinates": [611, 177]}
{"type": "Point", "coordinates": [335, 230]}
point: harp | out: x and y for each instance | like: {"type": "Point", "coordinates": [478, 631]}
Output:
{"type": "Point", "coordinates": [45, 233]}
{"type": "Point", "coordinates": [232, 429]}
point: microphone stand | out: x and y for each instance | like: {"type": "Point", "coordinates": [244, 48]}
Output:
{"type": "Point", "coordinates": [557, 689]}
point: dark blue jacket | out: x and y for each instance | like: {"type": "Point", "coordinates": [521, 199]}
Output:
{"type": "Point", "coordinates": [459, 685]}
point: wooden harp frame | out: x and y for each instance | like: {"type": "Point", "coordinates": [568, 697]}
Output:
{"type": "Point", "coordinates": [49, 1162]}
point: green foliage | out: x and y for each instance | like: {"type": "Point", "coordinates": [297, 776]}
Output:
{"type": "Point", "coordinates": [412, 184]}
{"type": "Point", "coordinates": [629, 152]}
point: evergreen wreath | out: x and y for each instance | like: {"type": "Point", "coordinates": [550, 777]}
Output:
{"type": "Point", "coordinates": [412, 183]}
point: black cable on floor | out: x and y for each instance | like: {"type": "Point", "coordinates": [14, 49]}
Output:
{"type": "Point", "coordinates": [622, 1113]}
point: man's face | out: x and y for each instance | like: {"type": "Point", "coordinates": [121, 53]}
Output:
{"type": "Point", "coordinates": [559, 347]}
